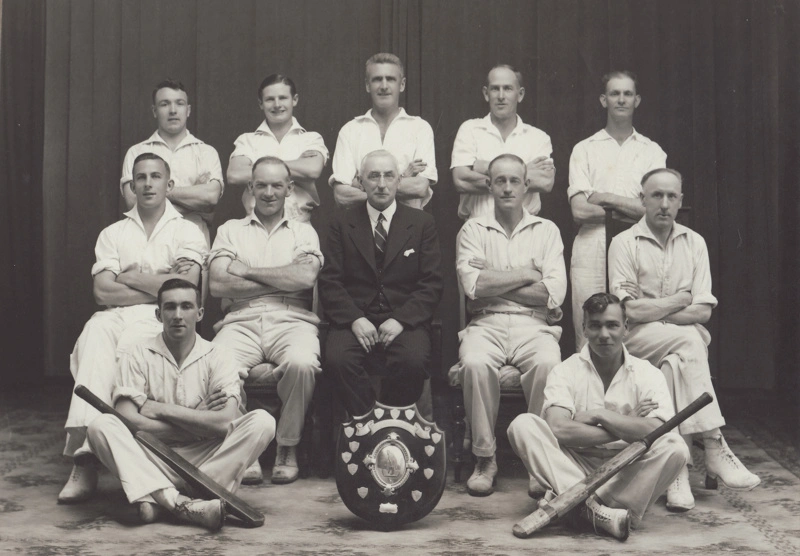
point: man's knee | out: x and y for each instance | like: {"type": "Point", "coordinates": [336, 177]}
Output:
{"type": "Point", "coordinates": [302, 361]}
{"type": "Point", "coordinates": [475, 364]}
{"type": "Point", "coordinates": [262, 424]}
{"type": "Point", "coordinates": [673, 444]}
{"type": "Point", "coordinates": [526, 424]}
{"type": "Point", "coordinates": [99, 426]}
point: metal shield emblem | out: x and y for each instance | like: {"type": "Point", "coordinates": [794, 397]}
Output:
{"type": "Point", "coordinates": [395, 473]}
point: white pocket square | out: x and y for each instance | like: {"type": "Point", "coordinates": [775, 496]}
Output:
{"type": "Point", "coordinates": [408, 252]}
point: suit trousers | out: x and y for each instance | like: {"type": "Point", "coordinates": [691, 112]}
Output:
{"type": "Point", "coordinates": [636, 487]}
{"type": "Point", "coordinates": [288, 337]}
{"type": "Point", "coordinates": [488, 343]}
{"type": "Point", "coordinates": [142, 473]}
{"type": "Point", "coordinates": [402, 366]}
{"type": "Point", "coordinates": [93, 362]}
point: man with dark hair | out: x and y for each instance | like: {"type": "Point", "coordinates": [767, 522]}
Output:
{"type": "Point", "coordinates": [511, 267]}
{"type": "Point", "coordinates": [502, 131]}
{"type": "Point", "coordinates": [386, 126]}
{"type": "Point", "coordinates": [282, 136]}
{"type": "Point", "coordinates": [193, 163]}
{"type": "Point", "coordinates": [604, 172]}
{"type": "Point", "coordinates": [135, 256]}
{"type": "Point", "coordinates": [264, 266]}
{"type": "Point", "coordinates": [660, 270]}
{"type": "Point", "coordinates": [185, 391]}
{"type": "Point", "coordinates": [380, 286]}
{"type": "Point", "coordinates": [596, 403]}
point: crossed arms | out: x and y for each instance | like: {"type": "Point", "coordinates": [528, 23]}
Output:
{"type": "Point", "coordinates": [601, 426]}
{"type": "Point", "coordinates": [474, 179]}
{"type": "Point", "coordinates": [230, 277]}
{"type": "Point", "coordinates": [133, 287]}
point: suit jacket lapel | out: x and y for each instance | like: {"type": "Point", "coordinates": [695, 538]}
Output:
{"type": "Point", "coordinates": [361, 234]}
{"type": "Point", "coordinates": [399, 233]}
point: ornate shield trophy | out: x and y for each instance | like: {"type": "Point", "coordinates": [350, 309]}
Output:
{"type": "Point", "coordinates": [391, 465]}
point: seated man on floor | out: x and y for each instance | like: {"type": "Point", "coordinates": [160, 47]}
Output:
{"type": "Point", "coordinates": [185, 391]}
{"type": "Point", "coordinates": [660, 270]}
{"type": "Point", "coordinates": [151, 245]}
{"type": "Point", "coordinates": [264, 266]}
{"type": "Point", "coordinates": [596, 403]}
{"type": "Point", "coordinates": [511, 267]}
{"type": "Point", "coordinates": [381, 283]}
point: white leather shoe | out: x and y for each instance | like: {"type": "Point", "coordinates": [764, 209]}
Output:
{"type": "Point", "coordinates": [81, 484]}
{"type": "Point", "coordinates": [615, 522]}
{"type": "Point", "coordinates": [285, 470]}
{"type": "Point", "coordinates": [722, 464]}
{"type": "Point", "coordinates": [679, 493]}
{"type": "Point", "coordinates": [253, 474]}
{"type": "Point", "coordinates": [205, 513]}
{"type": "Point", "coordinates": [535, 490]}
{"type": "Point", "coordinates": [484, 476]}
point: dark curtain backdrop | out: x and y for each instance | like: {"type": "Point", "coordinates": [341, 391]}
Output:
{"type": "Point", "coordinates": [719, 81]}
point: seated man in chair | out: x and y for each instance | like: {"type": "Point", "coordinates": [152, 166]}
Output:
{"type": "Point", "coordinates": [511, 267]}
{"type": "Point", "coordinates": [264, 266]}
{"type": "Point", "coordinates": [660, 270]}
{"type": "Point", "coordinates": [380, 285]}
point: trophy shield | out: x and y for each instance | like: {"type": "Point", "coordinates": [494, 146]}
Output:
{"type": "Point", "coordinates": [391, 465]}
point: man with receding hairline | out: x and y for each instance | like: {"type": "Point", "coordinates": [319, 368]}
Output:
{"type": "Point", "coordinates": [385, 126]}
{"type": "Point", "coordinates": [502, 131]}
{"type": "Point", "coordinates": [660, 270]}
{"type": "Point", "coordinates": [511, 267]}
{"type": "Point", "coordinates": [264, 266]}
{"type": "Point", "coordinates": [196, 170]}
{"type": "Point", "coordinates": [380, 286]}
{"type": "Point", "coordinates": [604, 172]}
{"type": "Point", "coordinates": [151, 245]}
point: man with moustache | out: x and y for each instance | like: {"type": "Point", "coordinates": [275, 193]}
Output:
{"type": "Point", "coordinates": [185, 391]}
{"type": "Point", "coordinates": [135, 256]}
{"type": "Point", "coordinates": [195, 165]}
{"type": "Point", "coordinates": [385, 126]}
{"type": "Point", "coordinates": [282, 136]}
{"type": "Point", "coordinates": [660, 270]}
{"type": "Point", "coordinates": [604, 172]}
{"type": "Point", "coordinates": [501, 131]}
{"type": "Point", "coordinates": [511, 267]}
{"type": "Point", "coordinates": [264, 267]}
{"type": "Point", "coordinates": [380, 286]}
{"type": "Point", "coordinates": [596, 403]}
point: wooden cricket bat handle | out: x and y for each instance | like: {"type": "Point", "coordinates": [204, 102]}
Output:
{"type": "Point", "coordinates": [703, 400]}
{"type": "Point", "coordinates": [89, 397]}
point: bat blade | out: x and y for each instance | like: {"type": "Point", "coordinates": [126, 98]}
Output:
{"type": "Point", "coordinates": [581, 490]}
{"type": "Point", "coordinates": [202, 483]}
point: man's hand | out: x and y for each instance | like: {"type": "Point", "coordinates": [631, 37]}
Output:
{"type": "Point", "coordinates": [150, 409]}
{"type": "Point", "coordinates": [205, 177]}
{"type": "Point", "coordinates": [644, 407]}
{"type": "Point", "coordinates": [482, 167]}
{"type": "Point", "coordinates": [214, 402]}
{"type": "Point", "coordinates": [304, 258]}
{"type": "Point", "coordinates": [684, 298]}
{"type": "Point", "coordinates": [310, 154]}
{"type": "Point", "coordinates": [632, 289]}
{"type": "Point", "coordinates": [388, 331]}
{"type": "Point", "coordinates": [414, 168]}
{"type": "Point", "coordinates": [182, 266]}
{"type": "Point", "coordinates": [366, 333]}
{"type": "Point", "coordinates": [238, 268]}
{"type": "Point", "coordinates": [357, 184]}
{"type": "Point", "coordinates": [600, 199]}
{"type": "Point", "coordinates": [480, 264]}
{"type": "Point", "coordinates": [586, 417]}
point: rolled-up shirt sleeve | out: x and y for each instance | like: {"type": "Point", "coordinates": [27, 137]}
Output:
{"type": "Point", "coordinates": [127, 166]}
{"type": "Point", "coordinates": [558, 391]}
{"type": "Point", "coordinates": [701, 279]}
{"type": "Point", "coordinates": [212, 166]}
{"type": "Point", "coordinates": [243, 146]}
{"type": "Point", "coordinates": [579, 178]}
{"type": "Point", "coordinates": [465, 147]}
{"type": "Point", "coordinates": [621, 266]}
{"type": "Point", "coordinates": [344, 165]}
{"type": "Point", "coordinates": [224, 375]}
{"type": "Point", "coordinates": [223, 246]}
{"type": "Point", "coordinates": [106, 253]}
{"type": "Point", "coordinates": [307, 242]}
{"type": "Point", "coordinates": [427, 152]}
{"type": "Point", "coordinates": [315, 142]}
{"type": "Point", "coordinates": [469, 246]}
{"type": "Point", "coordinates": [653, 385]}
{"type": "Point", "coordinates": [552, 267]}
{"type": "Point", "coordinates": [192, 244]}
{"type": "Point", "coordinates": [131, 381]}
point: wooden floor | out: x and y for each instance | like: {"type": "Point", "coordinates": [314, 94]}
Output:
{"type": "Point", "coordinates": [307, 517]}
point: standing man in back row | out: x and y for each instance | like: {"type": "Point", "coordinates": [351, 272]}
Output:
{"type": "Point", "coordinates": [386, 126]}
{"type": "Point", "coordinates": [501, 131]}
{"type": "Point", "coordinates": [604, 172]}
{"type": "Point", "coordinates": [194, 166]}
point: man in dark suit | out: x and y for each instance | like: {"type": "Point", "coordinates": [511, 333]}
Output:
{"type": "Point", "coordinates": [379, 286]}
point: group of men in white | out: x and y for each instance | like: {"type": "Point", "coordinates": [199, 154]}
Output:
{"type": "Point", "coordinates": [142, 355]}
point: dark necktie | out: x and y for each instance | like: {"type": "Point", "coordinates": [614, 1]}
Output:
{"type": "Point", "coordinates": [380, 234]}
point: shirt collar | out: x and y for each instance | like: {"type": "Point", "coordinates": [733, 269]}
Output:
{"type": "Point", "coordinates": [201, 349]}
{"type": "Point", "coordinates": [486, 123]}
{"type": "Point", "coordinates": [528, 219]}
{"type": "Point", "coordinates": [400, 115]}
{"type": "Point", "coordinates": [603, 135]}
{"type": "Point", "coordinates": [627, 362]}
{"type": "Point", "coordinates": [170, 213]}
{"type": "Point", "coordinates": [188, 140]}
{"type": "Point", "coordinates": [265, 130]}
{"type": "Point", "coordinates": [251, 218]}
{"type": "Point", "coordinates": [641, 229]}
{"type": "Point", "coordinates": [388, 212]}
